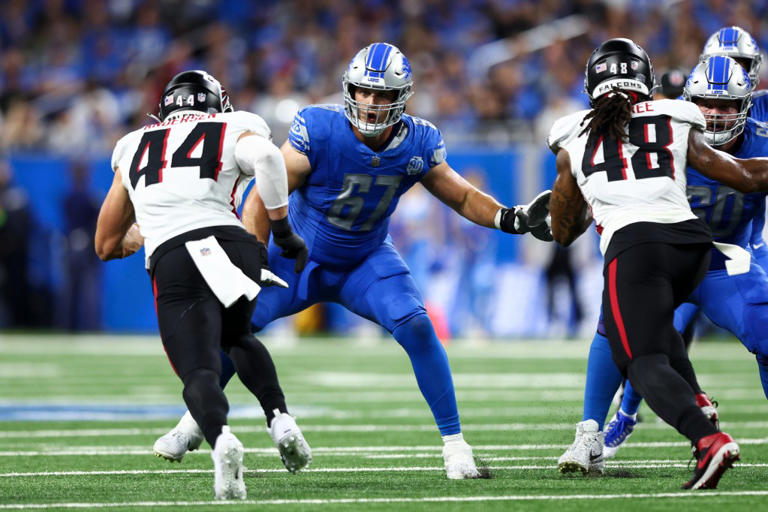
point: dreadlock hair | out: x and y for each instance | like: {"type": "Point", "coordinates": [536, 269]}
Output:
{"type": "Point", "coordinates": [611, 114]}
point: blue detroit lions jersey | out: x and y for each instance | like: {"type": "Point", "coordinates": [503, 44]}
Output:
{"type": "Point", "coordinates": [730, 213]}
{"type": "Point", "coordinates": [759, 109]}
{"type": "Point", "coordinates": [759, 112]}
{"type": "Point", "coordinates": [342, 210]}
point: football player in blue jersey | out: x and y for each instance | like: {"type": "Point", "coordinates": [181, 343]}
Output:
{"type": "Point", "coordinates": [721, 88]}
{"type": "Point", "coordinates": [347, 167]}
{"type": "Point", "coordinates": [738, 44]}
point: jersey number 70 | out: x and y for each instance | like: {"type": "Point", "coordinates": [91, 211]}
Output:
{"type": "Point", "coordinates": [153, 144]}
{"type": "Point", "coordinates": [651, 136]}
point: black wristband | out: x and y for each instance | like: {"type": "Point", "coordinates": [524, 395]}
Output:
{"type": "Point", "coordinates": [507, 221]}
{"type": "Point", "coordinates": [280, 228]}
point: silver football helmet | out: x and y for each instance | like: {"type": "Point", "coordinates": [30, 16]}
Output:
{"type": "Point", "coordinates": [737, 43]}
{"type": "Point", "coordinates": [377, 66]}
{"type": "Point", "coordinates": [721, 78]}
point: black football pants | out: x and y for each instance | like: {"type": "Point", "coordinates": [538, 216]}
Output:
{"type": "Point", "coordinates": [642, 287]}
{"type": "Point", "coordinates": [194, 325]}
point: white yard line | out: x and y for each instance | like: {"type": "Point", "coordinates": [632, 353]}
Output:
{"type": "Point", "coordinates": [346, 450]}
{"type": "Point", "coordinates": [353, 501]}
{"type": "Point", "coordinates": [467, 427]}
{"type": "Point", "coordinates": [399, 469]}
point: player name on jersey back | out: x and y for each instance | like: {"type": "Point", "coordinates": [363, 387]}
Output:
{"type": "Point", "coordinates": [638, 179]}
{"type": "Point", "coordinates": [181, 174]}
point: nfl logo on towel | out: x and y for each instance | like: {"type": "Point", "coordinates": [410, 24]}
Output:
{"type": "Point", "coordinates": [205, 251]}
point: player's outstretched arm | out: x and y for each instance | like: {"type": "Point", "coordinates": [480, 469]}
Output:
{"type": "Point", "coordinates": [116, 234]}
{"type": "Point", "coordinates": [569, 211]}
{"type": "Point", "coordinates": [745, 175]}
{"type": "Point", "coordinates": [452, 189]}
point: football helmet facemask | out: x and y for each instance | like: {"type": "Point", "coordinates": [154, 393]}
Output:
{"type": "Point", "coordinates": [721, 78]}
{"type": "Point", "coordinates": [193, 90]}
{"type": "Point", "coordinates": [618, 63]}
{"type": "Point", "coordinates": [737, 43]}
{"type": "Point", "coordinates": [379, 66]}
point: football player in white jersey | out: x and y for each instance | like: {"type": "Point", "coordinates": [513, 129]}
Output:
{"type": "Point", "coordinates": [178, 180]}
{"type": "Point", "coordinates": [623, 163]}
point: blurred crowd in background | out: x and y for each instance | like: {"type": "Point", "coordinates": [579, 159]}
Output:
{"type": "Point", "coordinates": [76, 75]}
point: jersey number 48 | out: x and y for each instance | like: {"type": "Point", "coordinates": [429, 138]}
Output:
{"type": "Point", "coordinates": [651, 136]}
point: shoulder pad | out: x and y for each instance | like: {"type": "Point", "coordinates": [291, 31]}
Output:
{"type": "Point", "coordinates": [117, 153]}
{"type": "Point", "coordinates": [682, 111]}
{"type": "Point", "coordinates": [418, 121]}
{"type": "Point", "coordinates": [565, 128]}
{"type": "Point", "coordinates": [249, 122]}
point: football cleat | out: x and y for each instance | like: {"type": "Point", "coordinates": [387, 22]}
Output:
{"type": "Point", "coordinates": [586, 452]}
{"type": "Point", "coordinates": [185, 436]}
{"type": "Point", "coordinates": [618, 430]}
{"type": "Point", "coordinates": [227, 458]}
{"type": "Point", "coordinates": [459, 460]}
{"type": "Point", "coordinates": [714, 454]}
{"type": "Point", "coordinates": [294, 450]}
{"type": "Point", "coordinates": [709, 408]}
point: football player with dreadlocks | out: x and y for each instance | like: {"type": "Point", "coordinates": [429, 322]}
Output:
{"type": "Point", "coordinates": [347, 167]}
{"type": "Point", "coordinates": [735, 126]}
{"type": "Point", "coordinates": [620, 161]}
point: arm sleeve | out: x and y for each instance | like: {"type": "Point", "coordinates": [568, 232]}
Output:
{"type": "Point", "coordinates": [259, 157]}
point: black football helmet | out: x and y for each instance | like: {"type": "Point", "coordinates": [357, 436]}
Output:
{"type": "Point", "coordinates": [193, 90]}
{"type": "Point", "coordinates": [621, 63]}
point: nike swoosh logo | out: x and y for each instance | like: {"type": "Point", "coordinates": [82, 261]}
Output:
{"type": "Point", "coordinates": [593, 457]}
{"type": "Point", "coordinates": [757, 246]}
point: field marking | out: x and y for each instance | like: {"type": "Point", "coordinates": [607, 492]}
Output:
{"type": "Point", "coordinates": [346, 450]}
{"type": "Point", "coordinates": [467, 427]}
{"type": "Point", "coordinates": [398, 469]}
{"type": "Point", "coordinates": [354, 501]}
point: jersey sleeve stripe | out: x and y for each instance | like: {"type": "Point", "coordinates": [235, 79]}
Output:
{"type": "Point", "coordinates": [298, 136]}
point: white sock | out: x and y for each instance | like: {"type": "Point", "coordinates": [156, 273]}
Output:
{"type": "Point", "coordinates": [631, 416]}
{"type": "Point", "coordinates": [453, 438]}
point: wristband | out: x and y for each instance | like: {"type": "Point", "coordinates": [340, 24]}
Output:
{"type": "Point", "coordinates": [281, 228]}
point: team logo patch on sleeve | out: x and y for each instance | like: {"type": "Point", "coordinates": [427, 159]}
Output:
{"type": "Point", "coordinates": [415, 166]}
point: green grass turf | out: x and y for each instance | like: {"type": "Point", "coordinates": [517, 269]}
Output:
{"type": "Point", "coordinates": [375, 444]}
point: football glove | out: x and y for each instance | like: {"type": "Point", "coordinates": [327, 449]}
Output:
{"type": "Point", "coordinates": [292, 245]}
{"type": "Point", "coordinates": [533, 217]}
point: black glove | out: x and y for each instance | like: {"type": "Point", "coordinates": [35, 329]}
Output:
{"type": "Point", "coordinates": [293, 245]}
{"type": "Point", "coordinates": [533, 217]}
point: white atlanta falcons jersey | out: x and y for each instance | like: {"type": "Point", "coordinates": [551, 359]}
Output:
{"type": "Point", "coordinates": [181, 174]}
{"type": "Point", "coordinates": [640, 179]}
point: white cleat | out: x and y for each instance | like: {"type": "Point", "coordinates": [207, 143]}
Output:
{"type": "Point", "coordinates": [586, 452]}
{"type": "Point", "coordinates": [294, 450]}
{"type": "Point", "coordinates": [185, 436]}
{"type": "Point", "coordinates": [459, 460]}
{"type": "Point", "coordinates": [227, 458]}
